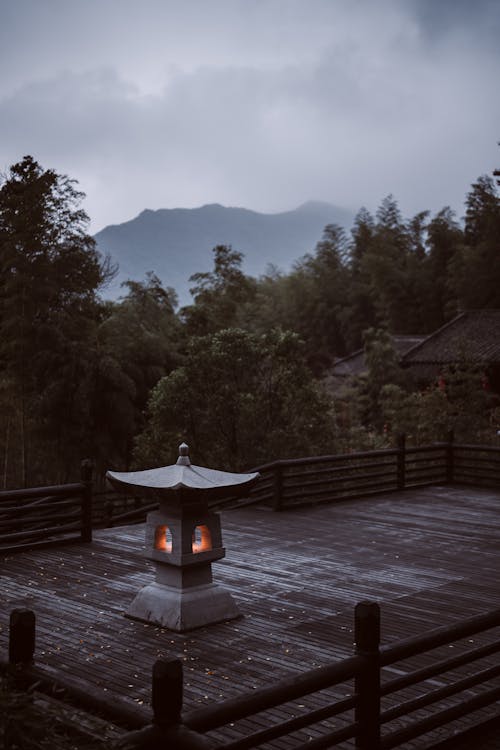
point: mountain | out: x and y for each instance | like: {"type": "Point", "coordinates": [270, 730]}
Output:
{"type": "Point", "coordinates": [176, 243]}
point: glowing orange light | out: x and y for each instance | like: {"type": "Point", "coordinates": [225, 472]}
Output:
{"type": "Point", "coordinates": [202, 539]}
{"type": "Point", "coordinates": [163, 538]}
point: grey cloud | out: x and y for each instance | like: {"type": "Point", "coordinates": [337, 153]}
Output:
{"type": "Point", "coordinates": [263, 104]}
{"type": "Point", "coordinates": [478, 20]}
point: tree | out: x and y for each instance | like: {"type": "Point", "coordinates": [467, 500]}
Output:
{"type": "Point", "coordinates": [328, 275]}
{"type": "Point", "coordinates": [309, 300]}
{"type": "Point", "coordinates": [496, 172]}
{"type": "Point", "coordinates": [220, 295]}
{"type": "Point", "coordinates": [50, 272]}
{"type": "Point", "coordinates": [139, 341]}
{"type": "Point", "coordinates": [383, 368]}
{"type": "Point", "coordinates": [362, 232]}
{"type": "Point", "coordinates": [239, 399]}
{"type": "Point", "coordinates": [360, 312]}
{"type": "Point", "coordinates": [457, 400]}
{"type": "Point", "coordinates": [380, 257]}
{"type": "Point", "coordinates": [387, 266]}
{"type": "Point", "coordinates": [445, 242]}
{"type": "Point", "coordinates": [482, 208]}
{"type": "Point", "coordinates": [477, 270]}
{"type": "Point", "coordinates": [316, 294]}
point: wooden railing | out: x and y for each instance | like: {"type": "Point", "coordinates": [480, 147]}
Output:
{"type": "Point", "coordinates": [40, 513]}
{"type": "Point", "coordinates": [113, 509]}
{"type": "Point", "coordinates": [292, 482]}
{"type": "Point", "coordinates": [381, 713]}
{"type": "Point", "coordinates": [289, 483]}
{"type": "Point", "coordinates": [441, 676]}
{"type": "Point", "coordinates": [477, 465]}
{"type": "Point", "coordinates": [47, 515]}
{"type": "Point", "coordinates": [337, 477]}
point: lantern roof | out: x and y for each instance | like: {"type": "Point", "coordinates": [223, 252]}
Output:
{"type": "Point", "coordinates": [182, 476]}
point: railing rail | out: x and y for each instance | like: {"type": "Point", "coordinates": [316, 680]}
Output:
{"type": "Point", "coordinates": [362, 714]}
{"type": "Point", "coordinates": [371, 724]}
{"type": "Point", "coordinates": [330, 478]}
{"type": "Point", "coordinates": [284, 484]}
{"type": "Point", "coordinates": [38, 516]}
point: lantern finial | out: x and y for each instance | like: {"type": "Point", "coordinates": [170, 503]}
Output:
{"type": "Point", "coordinates": [183, 459]}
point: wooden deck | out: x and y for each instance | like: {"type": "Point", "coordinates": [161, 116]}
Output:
{"type": "Point", "coordinates": [429, 557]}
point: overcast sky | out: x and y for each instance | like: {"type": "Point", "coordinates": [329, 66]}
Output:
{"type": "Point", "coordinates": [256, 103]}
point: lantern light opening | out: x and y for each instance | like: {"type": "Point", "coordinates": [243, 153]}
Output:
{"type": "Point", "coordinates": [163, 538]}
{"type": "Point", "coordinates": [202, 539]}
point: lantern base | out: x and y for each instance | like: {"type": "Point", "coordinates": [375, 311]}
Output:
{"type": "Point", "coordinates": [182, 610]}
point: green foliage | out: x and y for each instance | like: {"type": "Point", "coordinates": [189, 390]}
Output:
{"type": "Point", "coordinates": [220, 296]}
{"type": "Point", "coordinates": [309, 300]}
{"type": "Point", "coordinates": [82, 377]}
{"type": "Point", "coordinates": [444, 243]}
{"type": "Point", "coordinates": [478, 275]}
{"type": "Point", "coordinates": [391, 282]}
{"type": "Point", "coordinates": [318, 313]}
{"type": "Point", "coordinates": [421, 415]}
{"type": "Point", "coordinates": [239, 399]}
{"type": "Point", "coordinates": [457, 401]}
{"type": "Point", "coordinates": [468, 400]}
{"type": "Point", "coordinates": [385, 264]}
{"type": "Point", "coordinates": [49, 275]}
{"type": "Point", "coordinates": [360, 310]}
{"type": "Point", "coordinates": [383, 369]}
{"type": "Point", "coordinates": [138, 342]}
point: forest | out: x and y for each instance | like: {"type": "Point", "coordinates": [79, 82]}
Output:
{"type": "Point", "coordinates": [241, 373]}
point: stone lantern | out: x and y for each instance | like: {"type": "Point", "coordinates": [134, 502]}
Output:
{"type": "Point", "coordinates": [183, 538]}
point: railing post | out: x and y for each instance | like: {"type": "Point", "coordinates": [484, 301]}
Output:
{"type": "Point", "coordinates": [401, 461]}
{"type": "Point", "coordinates": [167, 729]}
{"type": "Point", "coordinates": [450, 456]}
{"type": "Point", "coordinates": [278, 487]}
{"type": "Point", "coordinates": [367, 683]}
{"type": "Point", "coordinates": [86, 475]}
{"type": "Point", "coordinates": [166, 701]}
{"type": "Point", "coordinates": [21, 636]}
{"type": "Point", "coordinates": [166, 692]}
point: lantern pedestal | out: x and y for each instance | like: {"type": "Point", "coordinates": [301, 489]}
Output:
{"type": "Point", "coordinates": [183, 609]}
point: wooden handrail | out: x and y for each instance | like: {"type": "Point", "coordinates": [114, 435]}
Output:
{"type": "Point", "coordinates": [51, 491]}
{"type": "Point", "coordinates": [322, 459]}
{"type": "Point", "coordinates": [287, 483]}
{"type": "Point", "coordinates": [438, 637]}
{"type": "Point", "coordinates": [47, 515]}
{"type": "Point", "coordinates": [212, 717]}
{"type": "Point", "coordinates": [365, 667]}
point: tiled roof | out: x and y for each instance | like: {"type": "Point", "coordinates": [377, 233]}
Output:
{"type": "Point", "coordinates": [354, 364]}
{"type": "Point", "coordinates": [474, 334]}
{"type": "Point", "coordinates": [403, 343]}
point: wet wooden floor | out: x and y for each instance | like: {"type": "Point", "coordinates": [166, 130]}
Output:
{"type": "Point", "coordinates": [429, 557]}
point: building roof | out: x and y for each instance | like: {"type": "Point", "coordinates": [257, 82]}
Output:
{"type": "Point", "coordinates": [354, 364]}
{"type": "Point", "coordinates": [474, 334]}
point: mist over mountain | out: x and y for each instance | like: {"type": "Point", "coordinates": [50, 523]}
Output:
{"type": "Point", "coordinates": [176, 243]}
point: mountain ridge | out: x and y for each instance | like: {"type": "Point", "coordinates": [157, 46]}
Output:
{"type": "Point", "coordinates": [175, 243]}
